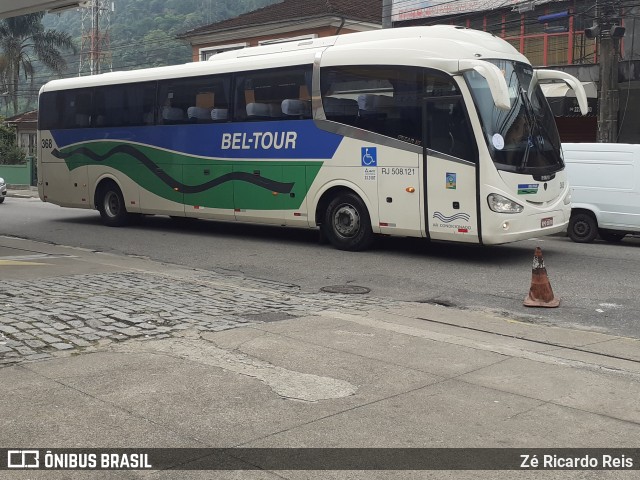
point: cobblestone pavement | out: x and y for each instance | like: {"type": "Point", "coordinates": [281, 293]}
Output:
{"type": "Point", "coordinates": [40, 319]}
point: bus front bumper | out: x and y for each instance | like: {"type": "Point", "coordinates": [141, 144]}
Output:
{"type": "Point", "coordinates": [507, 228]}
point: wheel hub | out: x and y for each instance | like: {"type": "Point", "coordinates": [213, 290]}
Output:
{"type": "Point", "coordinates": [111, 204]}
{"type": "Point", "coordinates": [346, 221]}
{"type": "Point", "coordinates": [581, 228]}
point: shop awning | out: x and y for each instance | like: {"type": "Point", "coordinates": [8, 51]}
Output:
{"type": "Point", "coordinates": [563, 102]}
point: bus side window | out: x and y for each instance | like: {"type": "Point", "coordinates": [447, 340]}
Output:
{"type": "Point", "coordinates": [194, 100]}
{"type": "Point", "coordinates": [49, 111]}
{"type": "Point", "coordinates": [447, 130]}
{"type": "Point", "coordinates": [273, 94]}
{"type": "Point", "coordinates": [381, 99]}
{"type": "Point", "coordinates": [78, 108]}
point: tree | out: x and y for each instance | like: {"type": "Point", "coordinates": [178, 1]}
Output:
{"type": "Point", "coordinates": [24, 39]}
{"type": "Point", "coordinates": [10, 153]}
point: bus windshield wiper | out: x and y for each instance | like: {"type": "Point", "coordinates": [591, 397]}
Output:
{"type": "Point", "coordinates": [532, 123]}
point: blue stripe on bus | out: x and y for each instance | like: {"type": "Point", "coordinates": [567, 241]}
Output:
{"type": "Point", "coordinates": [298, 139]}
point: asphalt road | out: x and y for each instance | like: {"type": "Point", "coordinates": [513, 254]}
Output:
{"type": "Point", "coordinates": [598, 283]}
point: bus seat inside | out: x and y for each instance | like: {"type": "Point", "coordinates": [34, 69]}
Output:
{"type": "Point", "coordinates": [82, 120]}
{"type": "Point", "coordinates": [199, 113]}
{"type": "Point", "coordinates": [258, 110]}
{"type": "Point", "coordinates": [340, 109]}
{"type": "Point", "coordinates": [218, 114]}
{"type": "Point", "coordinates": [172, 114]}
{"type": "Point", "coordinates": [295, 107]}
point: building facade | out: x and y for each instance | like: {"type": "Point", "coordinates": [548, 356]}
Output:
{"type": "Point", "coordinates": [26, 126]}
{"type": "Point", "coordinates": [551, 34]}
{"type": "Point", "coordinates": [284, 21]}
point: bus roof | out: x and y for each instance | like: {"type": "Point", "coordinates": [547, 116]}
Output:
{"type": "Point", "coordinates": [404, 46]}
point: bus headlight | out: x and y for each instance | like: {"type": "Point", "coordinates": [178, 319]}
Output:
{"type": "Point", "coordinates": [501, 204]}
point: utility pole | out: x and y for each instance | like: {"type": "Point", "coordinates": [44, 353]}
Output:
{"type": "Point", "coordinates": [386, 14]}
{"type": "Point", "coordinates": [95, 52]}
{"type": "Point", "coordinates": [608, 31]}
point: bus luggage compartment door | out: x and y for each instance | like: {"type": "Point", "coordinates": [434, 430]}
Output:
{"type": "Point", "coordinates": [272, 194]}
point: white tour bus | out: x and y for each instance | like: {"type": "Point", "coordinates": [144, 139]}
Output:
{"type": "Point", "coordinates": [436, 132]}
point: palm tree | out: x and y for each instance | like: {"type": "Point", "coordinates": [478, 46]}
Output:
{"type": "Point", "coordinates": [22, 40]}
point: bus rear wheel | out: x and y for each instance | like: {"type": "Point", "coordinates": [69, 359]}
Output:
{"type": "Point", "coordinates": [347, 224]}
{"type": "Point", "coordinates": [111, 206]}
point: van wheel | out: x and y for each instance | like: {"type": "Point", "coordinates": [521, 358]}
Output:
{"type": "Point", "coordinates": [347, 224]}
{"type": "Point", "coordinates": [111, 206]}
{"type": "Point", "coordinates": [609, 236]}
{"type": "Point", "coordinates": [583, 228]}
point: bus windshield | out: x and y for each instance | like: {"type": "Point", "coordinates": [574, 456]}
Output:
{"type": "Point", "coordinates": [523, 139]}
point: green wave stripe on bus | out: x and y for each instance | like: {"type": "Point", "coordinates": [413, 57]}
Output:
{"type": "Point", "coordinates": [205, 182]}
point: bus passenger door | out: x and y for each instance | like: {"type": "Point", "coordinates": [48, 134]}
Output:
{"type": "Point", "coordinates": [450, 156]}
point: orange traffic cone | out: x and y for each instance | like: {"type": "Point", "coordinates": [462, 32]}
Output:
{"type": "Point", "coordinates": [540, 293]}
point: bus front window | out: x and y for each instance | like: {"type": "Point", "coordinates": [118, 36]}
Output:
{"type": "Point", "coordinates": [523, 139]}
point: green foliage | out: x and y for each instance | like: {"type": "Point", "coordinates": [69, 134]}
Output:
{"type": "Point", "coordinates": [142, 35]}
{"type": "Point", "coordinates": [10, 153]}
{"type": "Point", "coordinates": [143, 31]}
{"type": "Point", "coordinates": [22, 40]}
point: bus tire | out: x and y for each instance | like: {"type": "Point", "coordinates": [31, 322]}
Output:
{"type": "Point", "coordinates": [583, 227]}
{"type": "Point", "coordinates": [347, 224]}
{"type": "Point", "coordinates": [111, 205]}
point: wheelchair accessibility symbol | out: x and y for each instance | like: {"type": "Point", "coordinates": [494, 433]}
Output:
{"type": "Point", "coordinates": [369, 156]}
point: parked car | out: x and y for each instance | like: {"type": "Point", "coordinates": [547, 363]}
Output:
{"type": "Point", "coordinates": [605, 190]}
{"type": "Point", "coordinates": [3, 189]}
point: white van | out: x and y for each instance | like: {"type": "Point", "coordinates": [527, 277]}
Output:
{"type": "Point", "coordinates": [605, 193]}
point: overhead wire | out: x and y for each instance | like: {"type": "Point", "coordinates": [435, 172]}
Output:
{"type": "Point", "coordinates": [122, 46]}
{"type": "Point", "coordinates": [502, 24]}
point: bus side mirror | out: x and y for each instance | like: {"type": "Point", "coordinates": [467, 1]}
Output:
{"type": "Point", "coordinates": [494, 77]}
{"type": "Point", "coordinates": [570, 80]}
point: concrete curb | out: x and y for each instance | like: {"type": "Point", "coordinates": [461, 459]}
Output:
{"type": "Point", "coordinates": [22, 191]}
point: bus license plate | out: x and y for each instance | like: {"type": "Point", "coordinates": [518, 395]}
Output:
{"type": "Point", "coordinates": [546, 222]}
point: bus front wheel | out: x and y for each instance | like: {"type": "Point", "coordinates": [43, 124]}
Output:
{"type": "Point", "coordinates": [347, 224]}
{"type": "Point", "coordinates": [111, 205]}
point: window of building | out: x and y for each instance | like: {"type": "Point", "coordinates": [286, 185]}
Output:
{"type": "Point", "coordinates": [558, 42]}
{"type": "Point", "coordinates": [534, 49]}
{"type": "Point", "coordinates": [208, 52]}
{"type": "Point", "coordinates": [271, 41]}
{"type": "Point", "coordinates": [28, 143]}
